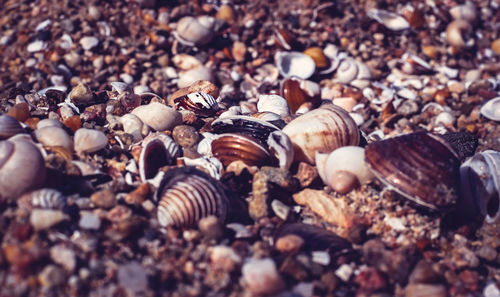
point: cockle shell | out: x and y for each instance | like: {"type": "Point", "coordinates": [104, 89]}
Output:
{"type": "Point", "coordinates": [22, 168]}
{"type": "Point", "coordinates": [186, 195]}
{"type": "Point", "coordinates": [9, 126]}
{"type": "Point", "coordinates": [89, 140]}
{"type": "Point", "coordinates": [202, 104]}
{"type": "Point", "coordinates": [390, 20]}
{"type": "Point", "coordinates": [273, 103]}
{"type": "Point", "coordinates": [230, 147]}
{"type": "Point", "coordinates": [480, 183]}
{"type": "Point", "coordinates": [295, 64]}
{"type": "Point", "coordinates": [158, 116]}
{"type": "Point", "coordinates": [54, 136]}
{"type": "Point", "coordinates": [420, 166]}
{"type": "Point", "coordinates": [195, 30]}
{"type": "Point", "coordinates": [491, 109]}
{"type": "Point", "coordinates": [321, 130]}
{"type": "Point", "coordinates": [158, 150]}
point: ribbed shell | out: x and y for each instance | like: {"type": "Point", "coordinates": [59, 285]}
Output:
{"type": "Point", "coordinates": [158, 150]}
{"type": "Point", "coordinates": [233, 147]}
{"type": "Point", "coordinates": [186, 195]}
{"type": "Point", "coordinates": [9, 126]}
{"type": "Point", "coordinates": [295, 91]}
{"type": "Point", "coordinates": [47, 198]}
{"type": "Point", "coordinates": [245, 125]}
{"type": "Point", "coordinates": [200, 103]}
{"type": "Point", "coordinates": [420, 166]}
{"type": "Point", "coordinates": [321, 130]}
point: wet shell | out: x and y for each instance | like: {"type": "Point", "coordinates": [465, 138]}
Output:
{"type": "Point", "coordinates": [158, 150]}
{"type": "Point", "coordinates": [480, 183]}
{"type": "Point", "coordinates": [491, 109]}
{"type": "Point", "coordinates": [295, 64]}
{"type": "Point", "coordinates": [9, 126]}
{"type": "Point", "coordinates": [321, 130]}
{"type": "Point", "coordinates": [48, 199]}
{"type": "Point", "coordinates": [233, 147]}
{"type": "Point", "coordinates": [200, 103]}
{"type": "Point", "coordinates": [420, 166]}
{"type": "Point", "coordinates": [297, 92]}
{"type": "Point", "coordinates": [186, 195]}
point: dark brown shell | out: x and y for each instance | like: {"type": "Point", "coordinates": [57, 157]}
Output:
{"type": "Point", "coordinates": [292, 90]}
{"type": "Point", "coordinates": [420, 166]}
{"type": "Point", "coordinates": [186, 195]}
{"type": "Point", "coordinates": [233, 147]}
{"type": "Point", "coordinates": [202, 104]}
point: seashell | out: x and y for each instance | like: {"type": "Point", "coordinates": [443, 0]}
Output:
{"type": "Point", "coordinates": [133, 125]}
{"type": "Point", "coordinates": [89, 42]}
{"type": "Point", "coordinates": [186, 62]}
{"type": "Point", "coordinates": [158, 116]}
{"type": "Point", "coordinates": [319, 58]}
{"type": "Point", "coordinates": [465, 12]}
{"type": "Point", "coordinates": [480, 183]}
{"type": "Point", "coordinates": [49, 123]}
{"type": "Point", "coordinates": [209, 165]}
{"type": "Point", "coordinates": [297, 91]}
{"type": "Point", "coordinates": [119, 87]}
{"type": "Point", "coordinates": [202, 104]}
{"type": "Point", "coordinates": [344, 168]}
{"type": "Point", "coordinates": [459, 33]}
{"type": "Point", "coordinates": [294, 64]}
{"type": "Point", "coordinates": [413, 64]}
{"type": "Point", "coordinates": [205, 145]}
{"type": "Point", "coordinates": [491, 109]}
{"type": "Point", "coordinates": [284, 38]}
{"type": "Point", "coordinates": [9, 126]}
{"type": "Point", "coordinates": [158, 150]}
{"type": "Point", "coordinates": [195, 31]}
{"type": "Point", "coordinates": [186, 195]}
{"type": "Point", "coordinates": [22, 168]}
{"type": "Point", "coordinates": [47, 198]}
{"type": "Point", "coordinates": [347, 71]}
{"type": "Point", "coordinates": [54, 136]}
{"type": "Point", "coordinates": [248, 126]}
{"type": "Point", "coordinates": [420, 166]}
{"type": "Point", "coordinates": [230, 147]}
{"type": "Point", "coordinates": [89, 140]}
{"type": "Point", "coordinates": [267, 116]}
{"type": "Point", "coordinates": [273, 103]}
{"type": "Point", "coordinates": [281, 147]}
{"type": "Point", "coordinates": [321, 130]}
{"type": "Point", "coordinates": [187, 78]}
{"type": "Point", "coordinates": [390, 20]}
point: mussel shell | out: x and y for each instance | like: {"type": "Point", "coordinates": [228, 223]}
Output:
{"type": "Point", "coordinates": [420, 166]}
{"type": "Point", "coordinates": [245, 125]}
{"type": "Point", "coordinates": [186, 194]}
{"type": "Point", "coordinates": [200, 103]}
{"type": "Point", "coordinates": [233, 147]}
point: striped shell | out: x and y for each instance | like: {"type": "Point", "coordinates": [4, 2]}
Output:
{"type": "Point", "coordinates": [9, 126]}
{"type": "Point", "coordinates": [158, 150]}
{"type": "Point", "coordinates": [48, 199]}
{"type": "Point", "coordinates": [200, 103]}
{"type": "Point", "coordinates": [245, 125]}
{"type": "Point", "coordinates": [232, 147]}
{"type": "Point", "coordinates": [321, 130]}
{"type": "Point", "coordinates": [186, 195]}
{"type": "Point", "coordinates": [420, 166]}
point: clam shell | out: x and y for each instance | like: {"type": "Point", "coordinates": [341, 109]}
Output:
{"type": "Point", "coordinates": [245, 125]}
{"type": "Point", "coordinates": [48, 199]}
{"type": "Point", "coordinates": [158, 116]}
{"type": "Point", "coordinates": [297, 91]}
{"type": "Point", "coordinates": [9, 126]}
{"type": "Point", "coordinates": [231, 147]}
{"type": "Point", "coordinates": [89, 140]}
{"type": "Point", "coordinates": [390, 20]}
{"type": "Point", "coordinates": [420, 166]}
{"type": "Point", "coordinates": [321, 130]}
{"type": "Point", "coordinates": [186, 195]}
{"type": "Point", "coordinates": [200, 103]}
{"type": "Point", "coordinates": [480, 183]}
{"type": "Point", "coordinates": [491, 109]}
{"type": "Point", "coordinates": [158, 150]}
{"type": "Point", "coordinates": [295, 64]}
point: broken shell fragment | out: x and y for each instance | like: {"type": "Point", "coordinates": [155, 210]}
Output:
{"type": "Point", "coordinates": [244, 125]}
{"type": "Point", "coordinates": [390, 20]}
{"type": "Point", "coordinates": [420, 166]}
{"type": "Point", "coordinates": [459, 33]}
{"type": "Point", "coordinates": [202, 104]}
{"type": "Point", "coordinates": [294, 64]}
{"type": "Point", "coordinates": [321, 130]}
{"type": "Point", "coordinates": [158, 116]}
{"type": "Point", "coordinates": [89, 140]}
{"type": "Point", "coordinates": [491, 109]}
{"type": "Point", "coordinates": [298, 91]}
{"type": "Point", "coordinates": [273, 103]}
{"type": "Point", "coordinates": [134, 126]}
{"type": "Point", "coordinates": [9, 126]}
{"type": "Point", "coordinates": [158, 150]}
{"type": "Point", "coordinates": [186, 195]}
{"type": "Point", "coordinates": [480, 183]}
{"type": "Point", "coordinates": [209, 165]}
{"type": "Point", "coordinates": [281, 147]}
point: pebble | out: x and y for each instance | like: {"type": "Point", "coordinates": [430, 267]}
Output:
{"type": "Point", "coordinates": [52, 276]}
{"type": "Point", "coordinates": [211, 227]}
{"type": "Point", "coordinates": [42, 219]}
{"type": "Point", "coordinates": [224, 258]}
{"type": "Point", "coordinates": [63, 256]}
{"type": "Point", "coordinates": [89, 140]}
{"type": "Point", "coordinates": [491, 290]}
{"type": "Point", "coordinates": [186, 136]}
{"type": "Point", "coordinates": [280, 209]}
{"type": "Point", "coordinates": [89, 220]}
{"type": "Point", "coordinates": [261, 276]}
{"type": "Point", "coordinates": [290, 243]}
{"type": "Point", "coordinates": [425, 290]}
{"type": "Point", "coordinates": [36, 46]}
{"type": "Point", "coordinates": [89, 42]}
{"type": "Point", "coordinates": [344, 272]}
{"type": "Point", "coordinates": [370, 279]}
{"type": "Point", "coordinates": [81, 94]}
{"type": "Point", "coordinates": [158, 116]}
{"type": "Point", "coordinates": [132, 277]}
{"type": "Point", "coordinates": [103, 199]}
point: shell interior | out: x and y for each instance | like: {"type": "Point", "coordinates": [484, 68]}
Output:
{"type": "Point", "coordinates": [233, 147]}
{"type": "Point", "coordinates": [200, 103]}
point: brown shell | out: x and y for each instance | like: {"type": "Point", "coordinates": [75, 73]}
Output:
{"type": "Point", "coordinates": [420, 166]}
{"type": "Point", "coordinates": [233, 147]}
{"type": "Point", "coordinates": [316, 53]}
{"type": "Point", "coordinates": [200, 103]}
{"type": "Point", "coordinates": [295, 95]}
{"type": "Point", "coordinates": [186, 195]}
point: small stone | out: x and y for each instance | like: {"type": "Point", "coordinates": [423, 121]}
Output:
{"type": "Point", "coordinates": [103, 199]}
{"type": "Point", "coordinates": [424, 272]}
{"type": "Point", "coordinates": [63, 256]}
{"type": "Point", "coordinates": [52, 276]}
{"type": "Point", "coordinates": [89, 140]}
{"type": "Point", "coordinates": [224, 258]}
{"type": "Point", "coordinates": [425, 290]}
{"type": "Point", "coordinates": [239, 51]}
{"type": "Point", "coordinates": [119, 213]}
{"type": "Point", "coordinates": [290, 243]}
{"type": "Point", "coordinates": [138, 195]}
{"type": "Point", "coordinates": [262, 277]}
{"type": "Point", "coordinates": [457, 87]}
{"type": "Point", "coordinates": [89, 220]}
{"type": "Point", "coordinates": [211, 227]}
{"type": "Point", "coordinates": [81, 94]}
{"type": "Point", "coordinates": [20, 112]}
{"type": "Point", "coordinates": [344, 272]}
{"type": "Point", "coordinates": [370, 279]}
{"type": "Point", "coordinates": [186, 136]}
{"type": "Point", "coordinates": [306, 174]}
{"type": "Point", "coordinates": [158, 116]}
{"type": "Point", "coordinates": [132, 277]}
{"type": "Point", "coordinates": [321, 257]}
{"type": "Point", "coordinates": [42, 219]}
{"type": "Point", "coordinates": [89, 42]}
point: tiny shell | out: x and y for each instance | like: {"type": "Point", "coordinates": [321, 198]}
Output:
{"type": "Point", "coordinates": [158, 116]}
{"type": "Point", "coordinates": [158, 150]}
{"type": "Point", "coordinates": [390, 20]}
{"type": "Point", "coordinates": [134, 126]}
{"type": "Point", "coordinates": [9, 126]}
{"type": "Point", "coordinates": [89, 140]}
{"type": "Point", "coordinates": [491, 109]}
{"type": "Point", "coordinates": [295, 64]}
{"type": "Point", "coordinates": [273, 103]}
{"type": "Point", "coordinates": [186, 195]}
{"type": "Point", "coordinates": [320, 59]}
{"type": "Point", "coordinates": [347, 71]}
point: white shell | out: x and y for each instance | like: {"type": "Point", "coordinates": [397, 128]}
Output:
{"type": "Point", "coordinates": [158, 116]}
{"type": "Point", "coordinates": [49, 123]}
{"type": "Point", "coordinates": [156, 143]}
{"type": "Point", "coordinates": [205, 145]}
{"type": "Point", "coordinates": [89, 140]}
{"type": "Point", "coordinates": [9, 126]}
{"type": "Point", "coordinates": [89, 42]}
{"type": "Point", "coordinates": [466, 12]}
{"type": "Point", "coordinates": [191, 76]}
{"type": "Point", "coordinates": [347, 71]}
{"type": "Point", "coordinates": [294, 64]}
{"type": "Point", "coordinates": [491, 109]}
{"type": "Point", "coordinates": [195, 31]}
{"type": "Point", "coordinates": [281, 147]}
{"type": "Point", "coordinates": [390, 20]}
{"type": "Point", "coordinates": [273, 103]}
{"type": "Point", "coordinates": [47, 198]}
{"type": "Point", "coordinates": [459, 33]}
{"type": "Point", "coordinates": [54, 136]}
{"type": "Point", "coordinates": [186, 62]}
{"type": "Point", "coordinates": [210, 165]}
{"type": "Point", "coordinates": [134, 126]}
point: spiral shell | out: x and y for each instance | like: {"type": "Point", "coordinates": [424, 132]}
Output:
{"type": "Point", "coordinates": [200, 103]}
{"type": "Point", "coordinates": [186, 195]}
{"type": "Point", "coordinates": [48, 199]}
{"type": "Point", "coordinates": [321, 130]}
{"type": "Point", "coordinates": [9, 126]}
{"type": "Point", "coordinates": [158, 150]}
